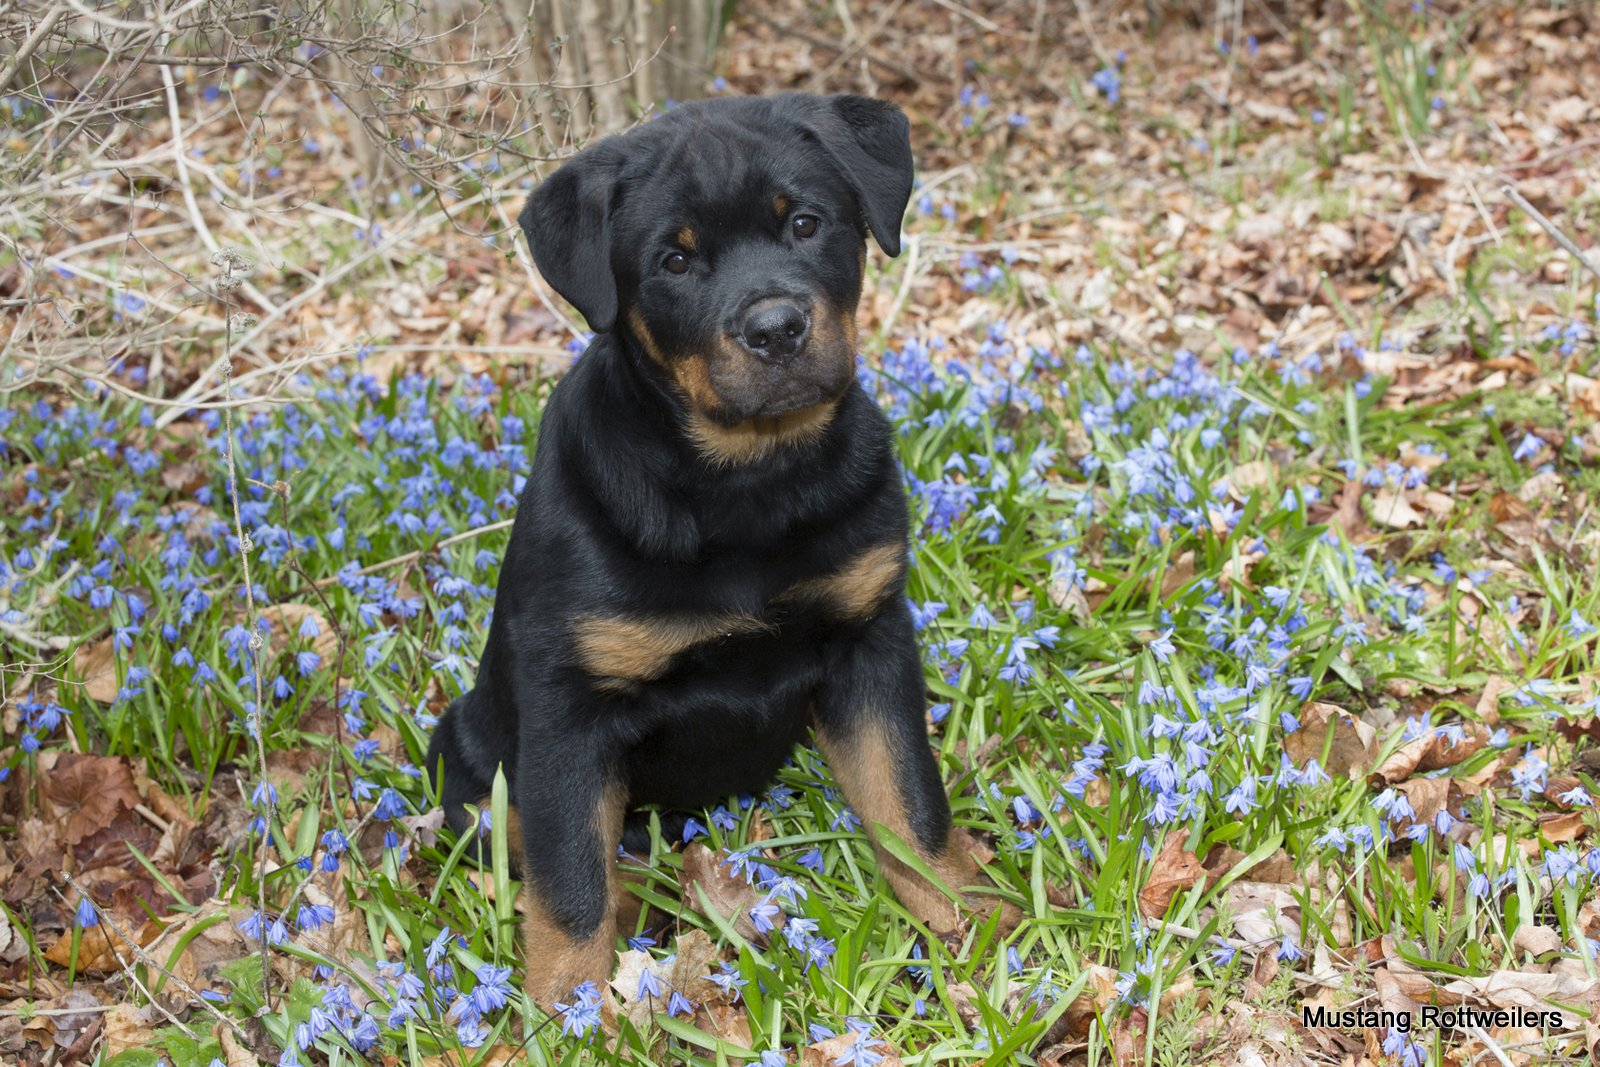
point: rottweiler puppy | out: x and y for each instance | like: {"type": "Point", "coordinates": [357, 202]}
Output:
{"type": "Point", "coordinates": [709, 557]}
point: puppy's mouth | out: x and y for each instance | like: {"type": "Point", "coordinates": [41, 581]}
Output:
{"type": "Point", "coordinates": [747, 386]}
{"type": "Point", "coordinates": [791, 397]}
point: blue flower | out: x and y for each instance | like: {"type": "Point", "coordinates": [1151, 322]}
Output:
{"type": "Point", "coordinates": [582, 1017]}
{"type": "Point", "coordinates": [1109, 82]}
{"type": "Point", "coordinates": [493, 990]}
{"type": "Point", "coordinates": [1530, 446]}
{"type": "Point", "coordinates": [649, 985]}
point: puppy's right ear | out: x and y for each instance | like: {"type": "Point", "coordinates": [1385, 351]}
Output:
{"type": "Point", "coordinates": [568, 224]}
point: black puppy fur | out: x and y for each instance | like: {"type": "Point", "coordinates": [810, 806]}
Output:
{"type": "Point", "coordinates": [709, 556]}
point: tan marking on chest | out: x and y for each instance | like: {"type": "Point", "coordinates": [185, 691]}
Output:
{"type": "Point", "coordinates": [620, 651]}
{"type": "Point", "coordinates": [856, 590]}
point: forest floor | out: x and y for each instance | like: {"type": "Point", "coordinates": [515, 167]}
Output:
{"type": "Point", "coordinates": [1251, 428]}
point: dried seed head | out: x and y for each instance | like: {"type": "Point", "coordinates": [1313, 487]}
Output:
{"type": "Point", "coordinates": [235, 266]}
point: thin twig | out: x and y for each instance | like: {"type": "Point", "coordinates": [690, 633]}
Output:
{"type": "Point", "coordinates": [40, 32]}
{"type": "Point", "coordinates": [913, 261]}
{"type": "Point", "coordinates": [412, 557]}
{"type": "Point", "coordinates": [1550, 228]}
{"type": "Point", "coordinates": [148, 960]}
{"type": "Point", "coordinates": [230, 269]}
{"type": "Point", "coordinates": [1490, 1045]}
{"type": "Point", "coordinates": [175, 116]}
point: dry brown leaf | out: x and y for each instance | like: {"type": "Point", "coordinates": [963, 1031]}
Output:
{"type": "Point", "coordinates": [1536, 940]}
{"type": "Point", "coordinates": [1402, 992]}
{"type": "Point", "coordinates": [1431, 752]}
{"type": "Point", "coordinates": [1175, 871]}
{"type": "Point", "coordinates": [234, 1054]}
{"type": "Point", "coordinates": [1532, 990]}
{"type": "Point", "coordinates": [1353, 742]}
{"type": "Point", "coordinates": [1128, 1038]}
{"type": "Point", "coordinates": [95, 948]}
{"type": "Point", "coordinates": [708, 886]}
{"type": "Point", "coordinates": [1278, 868]}
{"type": "Point", "coordinates": [1584, 393]}
{"type": "Point", "coordinates": [87, 793]}
{"type": "Point", "coordinates": [287, 619]}
{"type": "Point", "coordinates": [1236, 569]}
{"type": "Point", "coordinates": [1391, 510]}
{"type": "Point", "coordinates": [1262, 911]}
{"type": "Point", "coordinates": [1179, 573]}
{"type": "Point", "coordinates": [1428, 796]}
{"type": "Point", "coordinates": [129, 1027]}
{"type": "Point", "coordinates": [1488, 706]}
{"type": "Point", "coordinates": [1247, 478]}
{"type": "Point", "coordinates": [831, 1051]}
{"type": "Point", "coordinates": [723, 1021]}
{"type": "Point", "coordinates": [96, 665]}
{"type": "Point", "coordinates": [1263, 969]}
{"type": "Point", "coordinates": [631, 966]}
{"type": "Point", "coordinates": [965, 999]}
{"type": "Point", "coordinates": [1560, 829]}
{"type": "Point", "coordinates": [1099, 994]}
{"type": "Point", "coordinates": [695, 958]}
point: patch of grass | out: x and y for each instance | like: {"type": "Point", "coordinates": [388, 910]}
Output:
{"type": "Point", "coordinates": [1119, 639]}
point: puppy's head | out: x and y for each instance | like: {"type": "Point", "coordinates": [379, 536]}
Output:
{"type": "Point", "coordinates": [726, 238]}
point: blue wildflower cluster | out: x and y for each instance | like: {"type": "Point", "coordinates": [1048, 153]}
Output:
{"type": "Point", "coordinates": [1194, 497]}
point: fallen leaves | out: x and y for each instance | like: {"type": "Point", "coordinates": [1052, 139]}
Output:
{"type": "Point", "coordinates": [716, 892]}
{"type": "Point", "coordinates": [687, 972]}
{"type": "Point", "coordinates": [99, 949]}
{"type": "Point", "coordinates": [836, 1050]}
{"type": "Point", "coordinates": [95, 664]}
{"type": "Point", "coordinates": [1436, 750]}
{"type": "Point", "coordinates": [1399, 510]}
{"type": "Point", "coordinates": [288, 620]}
{"type": "Point", "coordinates": [85, 794]}
{"type": "Point", "coordinates": [1350, 744]}
{"type": "Point", "coordinates": [1176, 871]}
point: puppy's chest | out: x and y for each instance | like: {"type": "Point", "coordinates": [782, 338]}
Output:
{"type": "Point", "coordinates": [716, 621]}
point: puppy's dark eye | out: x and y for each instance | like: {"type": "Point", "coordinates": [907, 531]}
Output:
{"type": "Point", "coordinates": [806, 225]}
{"type": "Point", "coordinates": [676, 263]}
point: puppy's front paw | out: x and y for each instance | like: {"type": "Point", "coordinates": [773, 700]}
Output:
{"type": "Point", "coordinates": [557, 961]}
{"type": "Point", "coordinates": [957, 869]}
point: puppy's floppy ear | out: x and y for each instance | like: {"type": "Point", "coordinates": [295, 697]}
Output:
{"type": "Point", "coordinates": [871, 139]}
{"type": "Point", "coordinates": [568, 224]}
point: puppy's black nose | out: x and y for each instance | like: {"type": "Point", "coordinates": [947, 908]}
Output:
{"type": "Point", "coordinates": [773, 329]}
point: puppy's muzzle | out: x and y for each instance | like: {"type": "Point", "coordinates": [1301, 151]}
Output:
{"type": "Point", "coordinates": [773, 330]}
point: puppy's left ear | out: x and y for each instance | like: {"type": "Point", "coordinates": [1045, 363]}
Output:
{"type": "Point", "coordinates": [871, 139]}
{"type": "Point", "coordinates": [568, 224]}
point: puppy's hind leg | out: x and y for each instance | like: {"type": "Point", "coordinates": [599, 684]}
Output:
{"type": "Point", "coordinates": [463, 783]}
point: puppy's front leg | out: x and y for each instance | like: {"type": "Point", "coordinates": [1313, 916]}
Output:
{"type": "Point", "coordinates": [571, 814]}
{"type": "Point", "coordinates": [872, 730]}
